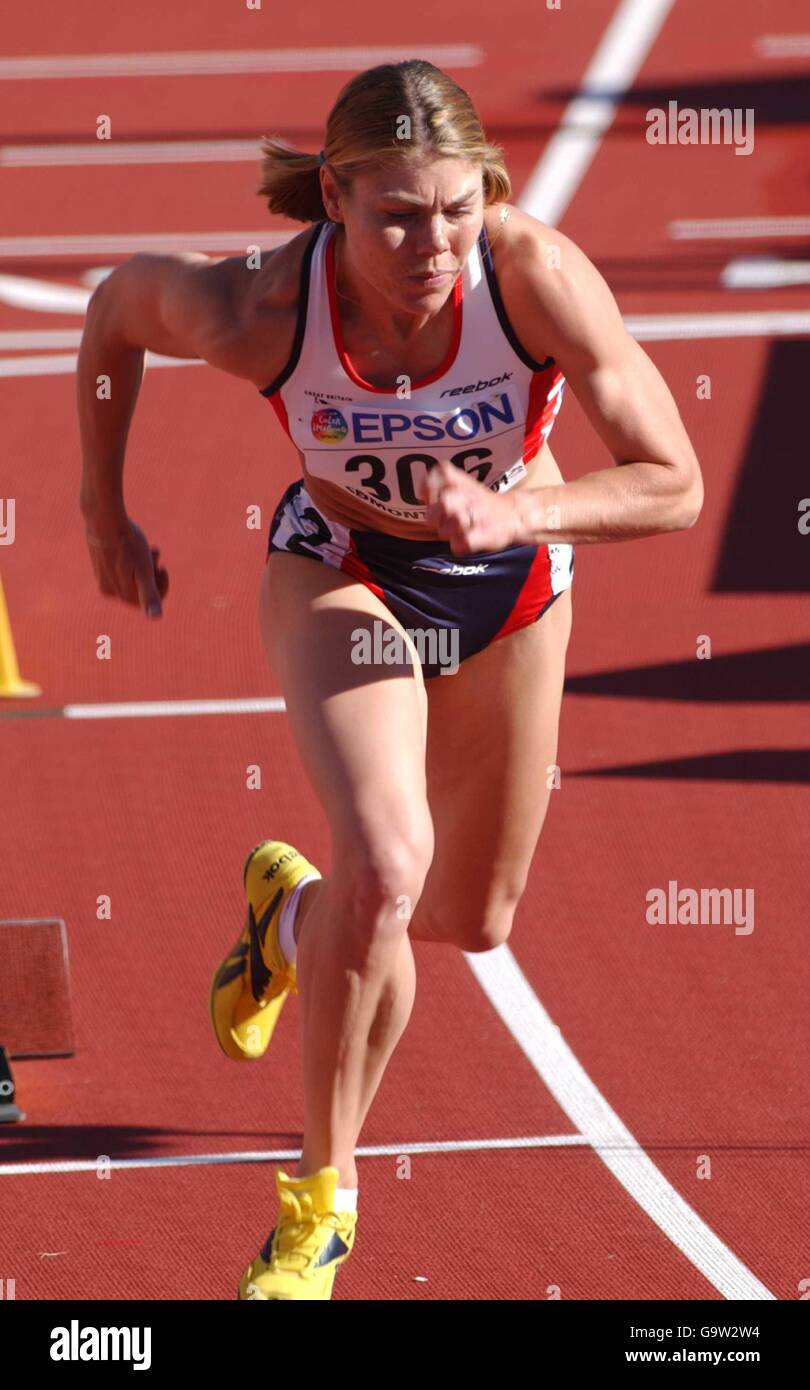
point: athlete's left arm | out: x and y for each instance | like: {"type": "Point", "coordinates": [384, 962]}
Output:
{"type": "Point", "coordinates": [569, 313]}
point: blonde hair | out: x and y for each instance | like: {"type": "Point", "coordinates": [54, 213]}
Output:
{"type": "Point", "coordinates": [393, 111]}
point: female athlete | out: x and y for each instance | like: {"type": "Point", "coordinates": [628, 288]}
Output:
{"type": "Point", "coordinates": [416, 599]}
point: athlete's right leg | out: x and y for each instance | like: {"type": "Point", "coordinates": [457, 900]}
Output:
{"type": "Point", "coordinates": [361, 734]}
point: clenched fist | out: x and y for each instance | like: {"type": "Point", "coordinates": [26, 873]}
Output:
{"type": "Point", "coordinates": [469, 516]}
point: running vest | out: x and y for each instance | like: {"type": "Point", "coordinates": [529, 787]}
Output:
{"type": "Point", "coordinates": [488, 408]}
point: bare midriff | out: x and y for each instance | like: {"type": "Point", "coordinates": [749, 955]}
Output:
{"type": "Point", "coordinates": [337, 505]}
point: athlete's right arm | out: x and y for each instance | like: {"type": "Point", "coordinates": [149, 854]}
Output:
{"type": "Point", "coordinates": [176, 305]}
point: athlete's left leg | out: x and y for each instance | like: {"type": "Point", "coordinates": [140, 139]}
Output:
{"type": "Point", "coordinates": [492, 735]}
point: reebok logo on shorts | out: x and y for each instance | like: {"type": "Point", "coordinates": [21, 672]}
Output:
{"type": "Point", "coordinates": [451, 569]}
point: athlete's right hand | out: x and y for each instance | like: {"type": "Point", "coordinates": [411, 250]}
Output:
{"type": "Point", "coordinates": [126, 567]}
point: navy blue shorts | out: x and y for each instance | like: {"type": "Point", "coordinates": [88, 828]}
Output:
{"type": "Point", "coordinates": [452, 606]}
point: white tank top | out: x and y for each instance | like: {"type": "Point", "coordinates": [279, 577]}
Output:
{"type": "Point", "coordinates": [488, 409]}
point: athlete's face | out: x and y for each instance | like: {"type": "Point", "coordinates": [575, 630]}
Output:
{"type": "Point", "coordinates": [410, 227]}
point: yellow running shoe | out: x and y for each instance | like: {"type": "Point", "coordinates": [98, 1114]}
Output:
{"type": "Point", "coordinates": [250, 986]}
{"type": "Point", "coordinates": [302, 1255]}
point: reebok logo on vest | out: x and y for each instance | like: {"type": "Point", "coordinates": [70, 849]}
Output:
{"type": "Point", "coordinates": [477, 385]}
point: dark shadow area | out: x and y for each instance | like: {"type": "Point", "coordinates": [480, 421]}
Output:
{"type": "Point", "coordinates": [24, 1141]}
{"type": "Point", "coordinates": [741, 765]}
{"type": "Point", "coordinates": [762, 550]}
{"type": "Point", "coordinates": [777, 100]}
{"type": "Point", "coordinates": [772, 674]}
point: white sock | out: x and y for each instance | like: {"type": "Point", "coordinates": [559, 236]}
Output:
{"type": "Point", "coordinates": [345, 1199]}
{"type": "Point", "coordinates": [286, 936]}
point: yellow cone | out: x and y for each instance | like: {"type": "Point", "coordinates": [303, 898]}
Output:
{"type": "Point", "coordinates": [12, 686]}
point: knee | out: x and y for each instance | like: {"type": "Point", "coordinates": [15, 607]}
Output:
{"type": "Point", "coordinates": [491, 929]}
{"type": "Point", "coordinates": [475, 929]}
{"type": "Point", "coordinates": [380, 880]}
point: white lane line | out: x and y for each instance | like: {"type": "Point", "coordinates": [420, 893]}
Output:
{"type": "Point", "coordinates": [660, 328]}
{"type": "Point", "coordinates": [764, 273]}
{"type": "Point", "coordinates": [210, 62]}
{"type": "Point", "coordinates": [713, 228]}
{"type": "Point", "coordinates": [42, 296]}
{"type": "Point", "coordinates": [65, 363]}
{"type": "Point", "coordinates": [783, 46]}
{"type": "Point", "coordinates": [119, 244]}
{"type": "Point", "coordinates": [94, 275]}
{"type": "Point", "coordinates": [625, 44]}
{"type": "Point", "coordinates": [537, 1141]}
{"type": "Point", "coordinates": [514, 1000]}
{"type": "Point", "coordinates": [131, 152]}
{"type": "Point", "coordinates": [650, 328]}
{"type": "Point", "coordinates": [153, 709]}
{"type": "Point", "coordinates": [39, 338]}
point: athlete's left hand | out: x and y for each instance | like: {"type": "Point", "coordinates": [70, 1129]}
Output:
{"type": "Point", "coordinates": [451, 495]}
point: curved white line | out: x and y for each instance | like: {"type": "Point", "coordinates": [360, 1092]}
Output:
{"type": "Point", "coordinates": [511, 995]}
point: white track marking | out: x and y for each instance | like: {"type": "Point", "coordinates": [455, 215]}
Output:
{"type": "Point", "coordinates": [95, 274]}
{"type": "Point", "coordinates": [43, 296]}
{"type": "Point", "coordinates": [211, 62]}
{"type": "Point", "coordinates": [764, 273]}
{"type": "Point", "coordinates": [153, 709]}
{"type": "Point", "coordinates": [754, 324]}
{"type": "Point", "coordinates": [440, 1146]}
{"type": "Point", "coordinates": [652, 328]}
{"type": "Point", "coordinates": [514, 999]}
{"type": "Point", "coordinates": [100, 152]}
{"type": "Point", "coordinates": [625, 44]}
{"type": "Point", "coordinates": [65, 363]}
{"type": "Point", "coordinates": [714, 228]}
{"type": "Point", "coordinates": [39, 338]}
{"type": "Point", "coordinates": [115, 244]}
{"type": "Point", "coordinates": [783, 46]}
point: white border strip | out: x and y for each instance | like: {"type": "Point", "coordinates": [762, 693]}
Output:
{"type": "Point", "coordinates": [117, 244]}
{"type": "Point", "coordinates": [210, 63]}
{"type": "Point", "coordinates": [43, 296]}
{"type": "Point", "coordinates": [762, 323]}
{"type": "Point", "coordinates": [783, 46]}
{"type": "Point", "coordinates": [131, 152]}
{"type": "Point", "coordinates": [625, 44]}
{"type": "Point", "coordinates": [153, 709]}
{"type": "Point", "coordinates": [64, 363]}
{"type": "Point", "coordinates": [714, 228]}
{"type": "Point", "coordinates": [82, 1165]}
{"type": "Point", "coordinates": [27, 338]}
{"type": "Point", "coordinates": [764, 273]}
{"type": "Point", "coordinates": [513, 998]}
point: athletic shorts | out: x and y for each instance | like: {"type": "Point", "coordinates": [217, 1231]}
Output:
{"type": "Point", "coordinates": [451, 606]}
